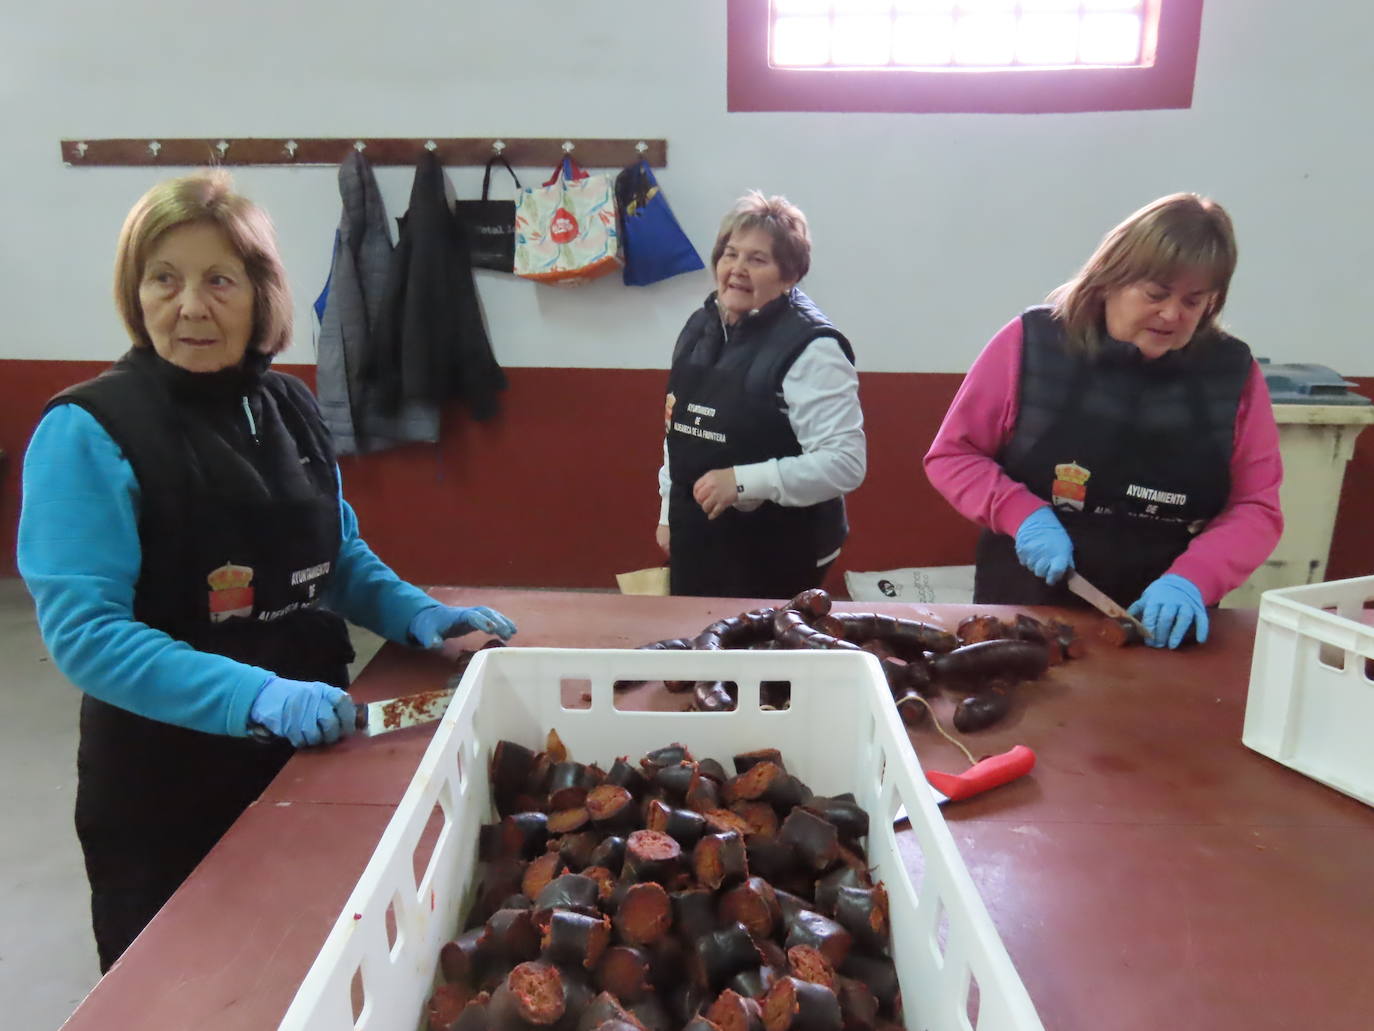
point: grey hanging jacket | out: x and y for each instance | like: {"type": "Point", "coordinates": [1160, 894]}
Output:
{"type": "Point", "coordinates": [357, 281]}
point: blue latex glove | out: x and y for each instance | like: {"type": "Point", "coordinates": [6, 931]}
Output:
{"type": "Point", "coordinates": [303, 712]}
{"type": "Point", "coordinates": [1043, 546]}
{"type": "Point", "coordinates": [1168, 608]}
{"type": "Point", "coordinates": [434, 625]}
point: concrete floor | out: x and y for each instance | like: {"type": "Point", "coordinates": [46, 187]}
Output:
{"type": "Point", "coordinates": [47, 955]}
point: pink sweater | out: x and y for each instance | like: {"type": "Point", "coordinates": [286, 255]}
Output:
{"type": "Point", "coordinates": [961, 466]}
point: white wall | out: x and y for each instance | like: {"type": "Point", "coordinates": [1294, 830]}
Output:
{"type": "Point", "coordinates": [930, 230]}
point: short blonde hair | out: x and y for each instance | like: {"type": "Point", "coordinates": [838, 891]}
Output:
{"type": "Point", "coordinates": [782, 220]}
{"type": "Point", "coordinates": [206, 196]}
{"type": "Point", "coordinates": [1180, 233]}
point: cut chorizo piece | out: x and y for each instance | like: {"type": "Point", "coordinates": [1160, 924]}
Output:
{"type": "Point", "coordinates": [532, 995]}
{"type": "Point", "coordinates": [624, 973]}
{"type": "Point", "coordinates": [605, 1009]}
{"type": "Point", "coordinates": [864, 913]}
{"type": "Point", "coordinates": [611, 807]}
{"type": "Point", "coordinates": [540, 872]}
{"type": "Point", "coordinates": [565, 821]}
{"type": "Point", "coordinates": [980, 627]}
{"type": "Point", "coordinates": [522, 835]}
{"type": "Point", "coordinates": [719, 860]}
{"type": "Point", "coordinates": [572, 938]}
{"type": "Point", "coordinates": [573, 891]}
{"type": "Point", "coordinates": [509, 937]}
{"type": "Point", "coordinates": [651, 856]}
{"type": "Point", "coordinates": [753, 904]}
{"type": "Point", "coordinates": [808, 963]}
{"type": "Point", "coordinates": [703, 792]}
{"type": "Point", "coordinates": [735, 1012]}
{"type": "Point", "coordinates": [754, 984]}
{"type": "Point", "coordinates": [828, 887]}
{"type": "Point", "coordinates": [461, 961]}
{"type": "Point", "coordinates": [624, 774]}
{"type": "Point", "coordinates": [694, 912]}
{"type": "Point", "coordinates": [576, 848]}
{"type": "Point", "coordinates": [858, 1005]}
{"type": "Point", "coordinates": [682, 825]}
{"type": "Point", "coordinates": [808, 927]}
{"type": "Point", "coordinates": [668, 755]}
{"type": "Point", "coordinates": [761, 817]}
{"type": "Point", "coordinates": [610, 853]}
{"type": "Point", "coordinates": [569, 783]}
{"type": "Point", "coordinates": [644, 915]}
{"type": "Point", "coordinates": [744, 760]}
{"type": "Point", "coordinates": [849, 818]}
{"type": "Point", "coordinates": [446, 1005]}
{"type": "Point", "coordinates": [652, 1014]}
{"type": "Point", "coordinates": [1119, 633]}
{"type": "Point", "coordinates": [721, 820]}
{"type": "Point", "coordinates": [880, 975]}
{"type": "Point", "coordinates": [509, 772]}
{"type": "Point", "coordinates": [719, 955]}
{"type": "Point", "coordinates": [815, 839]}
{"type": "Point", "coordinates": [795, 1005]}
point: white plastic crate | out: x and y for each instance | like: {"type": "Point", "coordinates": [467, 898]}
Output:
{"type": "Point", "coordinates": [1311, 701]}
{"type": "Point", "coordinates": [840, 733]}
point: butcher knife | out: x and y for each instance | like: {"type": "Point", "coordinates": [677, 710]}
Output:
{"type": "Point", "coordinates": [1101, 602]}
{"type": "Point", "coordinates": [374, 718]}
{"type": "Point", "coordinates": [984, 775]}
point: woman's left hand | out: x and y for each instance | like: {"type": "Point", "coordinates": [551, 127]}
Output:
{"type": "Point", "coordinates": [715, 491]}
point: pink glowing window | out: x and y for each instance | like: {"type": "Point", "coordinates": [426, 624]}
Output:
{"type": "Point", "coordinates": [1014, 56]}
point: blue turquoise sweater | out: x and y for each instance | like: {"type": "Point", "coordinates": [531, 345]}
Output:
{"type": "Point", "coordinates": [79, 554]}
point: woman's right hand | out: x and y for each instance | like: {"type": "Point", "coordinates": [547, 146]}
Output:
{"type": "Point", "coordinates": [303, 712]}
{"type": "Point", "coordinates": [663, 535]}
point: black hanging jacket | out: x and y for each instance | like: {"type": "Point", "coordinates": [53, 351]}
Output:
{"type": "Point", "coordinates": [430, 342]}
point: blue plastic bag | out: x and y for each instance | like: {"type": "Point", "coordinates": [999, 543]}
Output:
{"type": "Point", "coordinates": [655, 245]}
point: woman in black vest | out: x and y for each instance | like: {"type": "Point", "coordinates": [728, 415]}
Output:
{"type": "Point", "coordinates": [190, 554]}
{"type": "Point", "coordinates": [1120, 432]}
{"type": "Point", "coordinates": [763, 430]}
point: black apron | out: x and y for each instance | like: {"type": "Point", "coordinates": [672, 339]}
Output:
{"type": "Point", "coordinates": [727, 410]}
{"type": "Point", "coordinates": [1135, 461]}
{"type": "Point", "coordinates": [239, 526]}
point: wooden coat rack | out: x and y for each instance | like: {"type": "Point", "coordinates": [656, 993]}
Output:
{"type": "Point", "coordinates": [522, 152]}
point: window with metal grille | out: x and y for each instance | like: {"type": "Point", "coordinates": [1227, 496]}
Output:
{"type": "Point", "coordinates": [962, 55]}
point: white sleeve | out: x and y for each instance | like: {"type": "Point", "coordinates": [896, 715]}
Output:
{"type": "Point", "coordinates": [665, 484]}
{"type": "Point", "coordinates": [821, 392]}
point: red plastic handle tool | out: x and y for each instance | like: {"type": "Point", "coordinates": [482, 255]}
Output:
{"type": "Point", "coordinates": [981, 776]}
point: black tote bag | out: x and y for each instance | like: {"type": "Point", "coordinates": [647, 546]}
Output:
{"type": "Point", "coordinates": [490, 225]}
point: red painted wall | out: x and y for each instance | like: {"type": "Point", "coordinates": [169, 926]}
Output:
{"type": "Point", "coordinates": [559, 490]}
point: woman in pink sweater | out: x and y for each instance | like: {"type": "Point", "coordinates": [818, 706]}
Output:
{"type": "Point", "coordinates": [1119, 431]}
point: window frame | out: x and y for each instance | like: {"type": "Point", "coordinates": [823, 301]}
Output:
{"type": "Point", "coordinates": [752, 84]}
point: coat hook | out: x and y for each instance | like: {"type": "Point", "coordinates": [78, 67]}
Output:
{"type": "Point", "coordinates": [431, 146]}
{"type": "Point", "coordinates": [81, 149]}
{"type": "Point", "coordinates": [499, 146]}
{"type": "Point", "coordinates": [223, 147]}
{"type": "Point", "coordinates": [641, 146]}
{"type": "Point", "coordinates": [291, 147]}
{"type": "Point", "coordinates": [568, 146]}
{"type": "Point", "coordinates": [154, 147]}
{"type": "Point", "coordinates": [359, 146]}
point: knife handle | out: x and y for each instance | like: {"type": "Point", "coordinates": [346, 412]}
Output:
{"type": "Point", "coordinates": [983, 775]}
{"type": "Point", "coordinates": [261, 734]}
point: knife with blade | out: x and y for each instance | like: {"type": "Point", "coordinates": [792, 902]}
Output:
{"type": "Point", "coordinates": [375, 718]}
{"type": "Point", "coordinates": [410, 710]}
{"type": "Point", "coordinates": [984, 775]}
{"type": "Point", "coordinates": [1101, 602]}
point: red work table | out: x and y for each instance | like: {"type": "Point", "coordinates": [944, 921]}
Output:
{"type": "Point", "coordinates": [1150, 872]}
